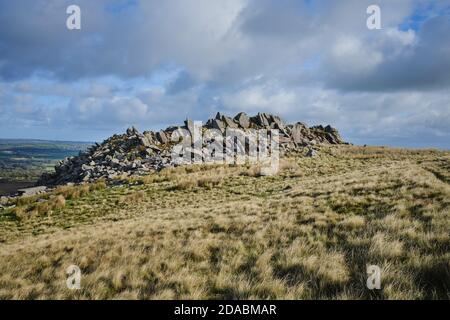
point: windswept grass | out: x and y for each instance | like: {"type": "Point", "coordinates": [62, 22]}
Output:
{"type": "Point", "coordinates": [217, 232]}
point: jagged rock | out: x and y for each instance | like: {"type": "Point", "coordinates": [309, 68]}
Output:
{"type": "Point", "coordinates": [229, 123]}
{"type": "Point", "coordinates": [333, 135]}
{"type": "Point", "coordinates": [149, 135]}
{"type": "Point", "coordinates": [299, 133]}
{"type": "Point", "coordinates": [143, 140]}
{"type": "Point", "coordinates": [260, 120]}
{"type": "Point", "coordinates": [330, 138]}
{"type": "Point", "coordinates": [242, 120]}
{"type": "Point", "coordinates": [162, 137]}
{"type": "Point", "coordinates": [218, 124]}
{"type": "Point", "coordinates": [311, 153]}
{"type": "Point", "coordinates": [326, 135]}
{"type": "Point", "coordinates": [132, 131]}
{"type": "Point", "coordinates": [275, 122]}
{"type": "Point", "coordinates": [208, 124]}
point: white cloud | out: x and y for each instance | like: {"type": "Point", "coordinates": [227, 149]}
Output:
{"type": "Point", "coordinates": [350, 55]}
{"type": "Point", "coordinates": [260, 98]}
{"type": "Point", "coordinates": [117, 110]}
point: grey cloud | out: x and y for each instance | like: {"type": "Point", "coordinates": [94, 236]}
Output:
{"type": "Point", "coordinates": [244, 39]}
{"type": "Point", "coordinates": [423, 65]}
{"type": "Point", "coordinates": [278, 19]}
{"type": "Point", "coordinates": [183, 82]}
{"type": "Point", "coordinates": [130, 43]}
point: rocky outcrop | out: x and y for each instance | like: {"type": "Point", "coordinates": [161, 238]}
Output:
{"type": "Point", "coordinates": [242, 120]}
{"type": "Point", "coordinates": [119, 155]}
{"type": "Point", "coordinates": [135, 153]}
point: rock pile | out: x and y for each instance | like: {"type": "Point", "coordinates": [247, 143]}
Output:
{"type": "Point", "coordinates": [135, 153]}
{"type": "Point", "coordinates": [119, 155]}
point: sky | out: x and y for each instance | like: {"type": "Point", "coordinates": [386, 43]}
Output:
{"type": "Point", "coordinates": [155, 63]}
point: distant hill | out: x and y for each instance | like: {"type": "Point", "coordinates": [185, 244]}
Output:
{"type": "Point", "coordinates": [25, 160]}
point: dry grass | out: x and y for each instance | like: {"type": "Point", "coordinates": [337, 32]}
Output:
{"type": "Point", "coordinates": [223, 232]}
{"type": "Point", "coordinates": [132, 198]}
{"type": "Point", "coordinates": [27, 210]}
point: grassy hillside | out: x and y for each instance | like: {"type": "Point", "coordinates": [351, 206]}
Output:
{"type": "Point", "coordinates": [224, 232]}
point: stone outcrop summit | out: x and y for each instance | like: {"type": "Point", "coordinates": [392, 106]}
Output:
{"type": "Point", "coordinates": [135, 153]}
